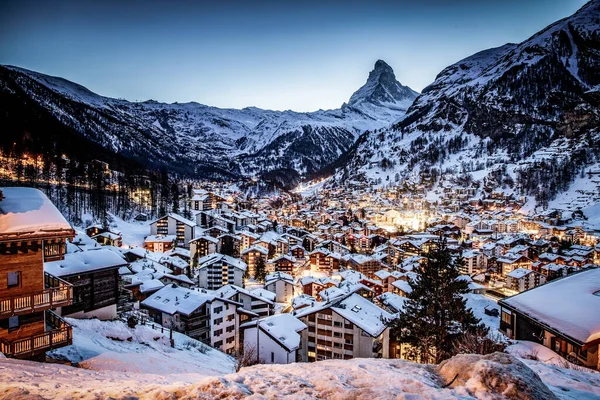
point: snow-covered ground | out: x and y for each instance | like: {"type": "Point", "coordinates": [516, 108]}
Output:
{"type": "Point", "coordinates": [478, 302]}
{"type": "Point", "coordinates": [481, 378]}
{"type": "Point", "coordinates": [113, 346]}
{"type": "Point", "coordinates": [133, 232]}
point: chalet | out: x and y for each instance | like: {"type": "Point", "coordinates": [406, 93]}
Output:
{"type": "Point", "coordinates": [259, 301]}
{"type": "Point", "coordinates": [297, 252]}
{"type": "Point", "coordinates": [312, 286]}
{"type": "Point", "coordinates": [199, 313]}
{"type": "Point", "coordinates": [325, 261]}
{"type": "Point", "coordinates": [247, 239]}
{"type": "Point", "coordinates": [94, 275]}
{"type": "Point", "coordinates": [203, 200]}
{"type": "Point", "coordinates": [276, 338]}
{"type": "Point", "coordinates": [402, 287]}
{"type": "Point", "coordinates": [522, 279]}
{"type": "Point", "coordinates": [346, 328]}
{"type": "Point", "coordinates": [109, 239]}
{"type": "Point", "coordinates": [216, 270]}
{"type": "Point", "coordinates": [160, 243]}
{"type": "Point", "coordinates": [283, 263]}
{"type": "Point", "coordinates": [251, 255]}
{"type": "Point", "coordinates": [511, 261]}
{"type": "Point", "coordinates": [176, 264]}
{"type": "Point", "coordinates": [173, 224]}
{"type": "Point", "coordinates": [386, 278]}
{"type": "Point", "coordinates": [282, 285]}
{"type": "Point", "coordinates": [180, 252]}
{"type": "Point", "coordinates": [32, 231]}
{"type": "Point", "coordinates": [302, 301]}
{"type": "Point", "coordinates": [361, 263]}
{"type": "Point", "coordinates": [553, 271]}
{"type": "Point", "coordinates": [334, 247]}
{"type": "Point", "coordinates": [561, 315]}
{"type": "Point", "coordinates": [204, 245]}
{"type": "Point", "coordinates": [473, 262]}
{"type": "Point", "coordinates": [230, 244]}
{"type": "Point", "coordinates": [391, 302]}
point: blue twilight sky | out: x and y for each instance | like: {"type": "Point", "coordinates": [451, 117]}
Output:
{"type": "Point", "coordinates": [302, 55]}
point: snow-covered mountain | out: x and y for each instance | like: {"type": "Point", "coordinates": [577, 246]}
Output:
{"type": "Point", "coordinates": [523, 117]}
{"type": "Point", "coordinates": [207, 141]}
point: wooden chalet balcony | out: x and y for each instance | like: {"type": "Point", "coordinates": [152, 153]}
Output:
{"type": "Point", "coordinates": [58, 293]}
{"type": "Point", "coordinates": [58, 334]}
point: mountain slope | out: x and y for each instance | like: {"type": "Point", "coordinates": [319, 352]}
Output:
{"type": "Point", "coordinates": [522, 117]}
{"type": "Point", "coordinates": [205, 141]}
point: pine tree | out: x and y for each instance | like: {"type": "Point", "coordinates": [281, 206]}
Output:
{"type": "Point", "coordinates": [260, 271]}
{"type": "Point", "coordinates": [435, 316]}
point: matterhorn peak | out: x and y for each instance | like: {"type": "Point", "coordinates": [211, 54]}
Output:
{"type": "Point", "coordinates": [382, 88]}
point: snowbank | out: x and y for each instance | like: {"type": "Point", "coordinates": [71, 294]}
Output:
{"type": "Point", "coordinates": [479, 377]}
{"type": "Point", "coordinates": [496, 375]}
{"type": "Point", "coordinates": [113, 346]}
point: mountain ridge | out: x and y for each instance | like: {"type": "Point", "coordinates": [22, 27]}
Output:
{"type": "Point", "coordinates": [195, 138]}
{"type": "Point", "coordinates": [522, 118]}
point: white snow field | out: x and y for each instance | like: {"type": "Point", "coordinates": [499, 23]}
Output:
{"type": "Point", "coordinates": [113, 346]}
{"type": "Point", "coordinates": [498, 376]}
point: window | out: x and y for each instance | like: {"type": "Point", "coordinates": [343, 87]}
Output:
{"type": "Point", "coordinates": [337, 334]}
{"type": "Point", "coordinates": [218, 344]}
{"type": "Point", "coordinates": [272, 357]}
{"type": "Point", "coordinates": [218, 332]}
{"type": "Point", "coordinates": [230, 329]}
{"type": "Point", "coordinates": [230, 340]}
{"type": "Point", "coordinates": [506, 317]}
{"type": "Point", "coordinates": [218, 321]}
{"type": "Point", "coordinates": [337, 345]}
{"type": "Point", "coordinates": [348, 341]}
{"type": "Point", "coordinates": [14, 279]}
{"type": "Point", "coordinates": [52, 249]}
{"type": "Point", "coordinates": [218, 309]}
{"type": "Point", "coordinates": [337, 323]}
{"type": "Point", "coordinates": [230, 317]}
{"type": "Point", "coordinates": [13, 323]}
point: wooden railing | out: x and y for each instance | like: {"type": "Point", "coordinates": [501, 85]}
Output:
{"type": "Point", "coordinates": [61, 335]}
{"type": "Point", "coordinates": [57, 294]}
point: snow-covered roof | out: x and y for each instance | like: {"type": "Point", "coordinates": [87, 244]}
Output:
{"type": "Point", "coordinates": [83, 262]}
{"type": "Point", "coordinates": [210, 259]}
{"type": "Point", "coordinates": [173, 299]}
{"type": "Point", "coordinates": [519, 273]}
{"type": "Point", "coordinates": [364, 314]}
{"type": "Point", "coordinates": [228, 291]}
{"type": "Point", "coordinates": [283, 328]}
{"type": "Point", "coordinates": [264, 294]}
{"type": "Point", "coordinates": [302, 300]}
{"type": "Point", "coordinates": [151, 285]}
{"type": "Point", "coordinates": [402, 285]}
{"type": "Point", "coordinates": [277, 276]}
{"type": "Point", "coordinates": [570, 305]}
{"type": "Point", "coordinates": [177, 217]}
{"type": "Point", "coordinates": [28, 210]}
{"type": "Point", "coordinates": [393, 301]}
{"type": "Point", "coordinates": [160, 238]}
{"type": "Point", "coordinates": [258, 248]}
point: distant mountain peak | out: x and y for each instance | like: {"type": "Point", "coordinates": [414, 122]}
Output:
{"type": "Point", "coordinates": [382, 88]}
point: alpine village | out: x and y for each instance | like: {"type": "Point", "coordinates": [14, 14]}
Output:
{"type": "Point", "coordinates": [446, 232]}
